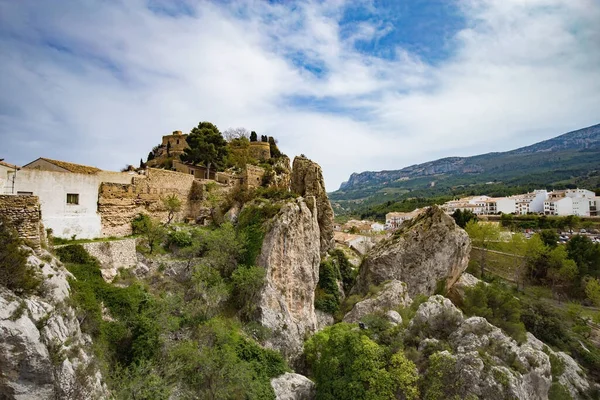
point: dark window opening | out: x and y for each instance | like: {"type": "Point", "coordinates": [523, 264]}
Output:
{"type": "Point", "coordinates": [72, 198]}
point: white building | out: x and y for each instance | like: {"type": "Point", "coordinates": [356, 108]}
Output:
{"type": "Point", "coordinates": [6, 171]}
{"type": "Point", "coordinates": [377, 227]}
{"type": "Point", "coordinates": [393, 220]}
{"type": "Point", "coordinates": [68, 194]}
{"type": "Point", "coordinates": [560, 206]}
{"type": "Point", "coordinates": [584, 201]}
{"type": "Point", "coordinates": [530, 202]}
{"type": "Point", "coordinates": [501, 205]}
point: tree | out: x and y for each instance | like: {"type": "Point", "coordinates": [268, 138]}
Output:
{"type": "Point", "coordinates": [348, 365]}
{"type": "Point", "coordinates": [483, 235]}
{"type": "Point", "coordinates": [264, 138]}
{"type": "Point", "coordinates": [275, 153]}
{"type": "Point", "coordinates": [168, 149]}
{"type": "Point", "coordinates": [206, 147]}
{"type": "Point", "coordinates": [155, 234]}
{"type": "Point", "coordinates": [463, 217]}
{"type": "Point", "coordinates": [142, 164]}
{"type": "Point", "coordinates": [549, 237]}
{"type": "Point", "coordinates": [173, 205]}
{"type": "Point", "coordinates": [586, 254]}
{"type": "Point", "coordinates": [236, 133]}
{"type": "Point", "coordinates": [592, 291]}
{"type": "Point", "coordinates": [253, 136]}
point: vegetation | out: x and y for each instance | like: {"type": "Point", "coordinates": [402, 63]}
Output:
{"type": "Point", "coordinates": [347, 364]}
{"type": "Point", "coordinates": [333, 271]}
{"type": "Point", "coordinates": [463, 217]}
{"type": "Point", "coordinates": [172, 205]}
{"type": "Point", "coordinates": [204, 304]}
{"type": "Point", "coordinates": [206, 147]}
{"type": "Point", "coordinates": [15, 274]}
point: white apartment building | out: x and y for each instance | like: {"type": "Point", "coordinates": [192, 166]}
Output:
{"type": "Point", "coordinates": [393, 220]}
{"type": "Point", "coordinates": [500, 205]}
{"type": "Point", "coordinates": [561, 206]}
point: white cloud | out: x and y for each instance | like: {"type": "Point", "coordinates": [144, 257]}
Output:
{"type": "Point", "coordinates": [520, 71]}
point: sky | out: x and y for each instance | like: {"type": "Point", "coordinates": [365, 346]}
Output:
{"type": "Point", "coordinates": [354, 85]}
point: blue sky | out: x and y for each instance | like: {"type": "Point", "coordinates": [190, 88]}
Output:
{"type": "Point", "coordinates": [354, 85]}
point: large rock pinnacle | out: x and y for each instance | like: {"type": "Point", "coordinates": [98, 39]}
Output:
{"type": "Point", "coordinates": [307, 180]}
{"type": "Point", "coordinates": [290, 255]}
{"type": "Point", "coordinates": [425, 253]}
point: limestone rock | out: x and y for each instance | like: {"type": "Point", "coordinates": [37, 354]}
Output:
{"type": "Point", "coordinates": [394, 317]}
{"type": "Point", "coordinates": [41, 344]}
{"type": "Point", "coordinates": [307, 180]}
{"type": "Point", "coordinates": [428, 251]}
{"type": "Point", "coordinates": [392, 295]}
{"type": "Point", "coordinates": [487, 363]}
{"type": "Point", "coordinates": [293, 387]}
{"type": "Point", "coordinates": [323, 319]}
{"type": "Point", "coordinates": [290, 255]}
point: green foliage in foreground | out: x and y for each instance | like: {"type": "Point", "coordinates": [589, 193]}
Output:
{"type": "Point", "coordinates": [213, 360]}
{"type": "Point", "coordinates": [347, 364]}
{"type": "Point", "coordinates": [498, 306]}
{"type": "Point", "coordinates": [334, 269]}
{"type": "Point", "coordinates": [15, 274]}
{"type": "Point", "coordinates": [251, 223]}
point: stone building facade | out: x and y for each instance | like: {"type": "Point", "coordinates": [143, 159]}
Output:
{"type": "Point", "coordinates": [24, 213]}
{"type": "Point", "coordinates": [176, 142]}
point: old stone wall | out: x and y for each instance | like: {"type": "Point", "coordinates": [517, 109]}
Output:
{"type": "Point", "coordinates": [119, 204]}
{"type": "Point", "coordinates": [252, 176]}
{"type": "Point", "coordinates": [23, 212]}
{"type": "Point", "coordinates": [113, 255]}
{"type": "Point", "coordinates": [260, 150]}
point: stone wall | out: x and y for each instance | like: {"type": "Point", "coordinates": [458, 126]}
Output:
{"type": "Point", "coordinates": [252, 176]}
{"type": "Point", "coordinates": [113, 255]}
{"type": "Point", "coordinates": [118, 204]}
{"type": "Point", "coordinates": [260, 150]}
{"type": "Point", "coordinates": [23, 212]}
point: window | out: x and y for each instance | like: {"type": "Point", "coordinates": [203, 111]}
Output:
{"type": "Point", "coordinates": [177, 141]}
{"type": "Point", "coordinates": [191, 171]}
{"type": "Point", "coordinates": [24, 193]}
{"type": "Point", "coordinates": [72, 198]}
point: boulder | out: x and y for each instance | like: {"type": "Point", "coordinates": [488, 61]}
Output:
{"type": "Point", "coordinates": [458, 290]}
{"type": "Point", "coordinates": [392, 295]}
{"type": "Point", "coordinates": [307, 180]}
{"type": "Point", "coordinates": [290, 255]}
{"type": "Point", "coordinates": [427, 253]}
{"type": "Point", "coordinates": [293, 387]}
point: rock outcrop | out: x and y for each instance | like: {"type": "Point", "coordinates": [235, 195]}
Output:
{"type": "Point", "coordinates": [43, 353]}
{"type": "Point", "coordinates": [392, 295]}
{"type": "Point", "coordinates": [484, 361]}
{"type": "Point", "coordinates": [293, 387]}
{"type": "Point", "coordinates": [428, 252]}
{"type": "Point", "coordinates": [290, 255]}
{"type": "Point", "coordinates": [307, 180]}
{"type": "Point", "coordinates": [458, 291]}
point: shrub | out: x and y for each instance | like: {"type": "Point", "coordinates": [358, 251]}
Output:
{"type": "Point", "coordinates": [498, 306]}
{"type": "Point", "coordinates": [441, 380]}
{"type": "Point", "coordinates": [15, 274]}
{"type": "Point", "coordinates": [558, 392]}
{"type": "Point", "coordinates": [247, 282]}
{"type": "Point", "coordinates": [140, 224]}
{"type": "Point", "coordinates": [327, 296]}
{"type": "Point", "coordinates": [179, 239]}
{"type": "Point", "coordinates": [251, 223]}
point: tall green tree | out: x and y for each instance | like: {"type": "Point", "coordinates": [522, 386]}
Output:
{"type": "Point", "coordinates": [253, 136]}
{"type": "Point", "coordinates": [206, 147]}
{"type": "Point", "coordinates": [483, 235]}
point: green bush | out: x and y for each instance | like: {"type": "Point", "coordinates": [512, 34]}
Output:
{"type": "Point", "coordinates": [15, 274]}
{"type": "Point", "coordinates": [179, 239]}
{"type": "Point", "coordinates": [498, 306]}
{"type": "Point", "coordinates": [327, 295]}
{"type": "Point", "coordinates": [140, 224]}
{"type": "Point", "coordinates": [441, 381]}
{"type": "Point", "coordinates": [558, 392]}
{"type": "Point", "coordinates": [247, 282]}
{"type": "Point", "coordinates": [251, 224]}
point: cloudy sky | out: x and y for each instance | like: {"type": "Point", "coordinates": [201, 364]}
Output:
{"type": "Point", "coordinates": [354, 85]}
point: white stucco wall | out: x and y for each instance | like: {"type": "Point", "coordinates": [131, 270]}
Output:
{"type": "Point", "coordinates": [507, 205]}
{"type": "Point", "coordinates": [52, 187]}
{"type": "Point", "coordinates": [564, 206]}
{"type": "Point", "coordinates": [581, 206]}
{"type": "Point", "coordinates": [537, 204]}
{"type": "Point", "coordinates": [4, 170]}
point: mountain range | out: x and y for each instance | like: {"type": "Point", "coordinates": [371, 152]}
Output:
{"type": "Point", "coordinates": [569, 159]}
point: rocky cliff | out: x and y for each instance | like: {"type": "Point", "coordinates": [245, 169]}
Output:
{"type": "Point", "coordinates": [43, 354]}
{"type": "Point", "coordinates": [290, 255]}
{"type": "Point", "coordinates": [427, 253]}
{"type": "Point", "coordinates": [307, 180]}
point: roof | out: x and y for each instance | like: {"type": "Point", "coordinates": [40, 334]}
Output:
{"type": "Point", "coordinates": [71, 167]}
{"type": "Point", "coordinates": [5, 164]}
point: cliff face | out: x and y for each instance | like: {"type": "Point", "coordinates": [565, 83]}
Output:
{"type": "Point", "coordinates": [307, 180]}
{"type": "Point", "coordinates": [43, 354]}
{"type": "Point", "coordinates": [428, 251]}
{"type": "Point", "coordinates": [290, 255]}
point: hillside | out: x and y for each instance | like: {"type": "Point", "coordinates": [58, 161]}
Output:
{"type": "Point", "coordinates": [569, 159]}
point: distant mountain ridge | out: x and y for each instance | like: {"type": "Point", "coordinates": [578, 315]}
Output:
{"type": "Point", "coordinates": [586, 140]}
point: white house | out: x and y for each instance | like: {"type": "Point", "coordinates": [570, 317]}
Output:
{"type": "Point", "coordinates": [68, 194]}
{"type": "Point", "coordinates": [560, 206]}
{"type": "Point", "coordinates": [6, 171]}
{"type": "Point", "coordinates": [377, 227]}
{"type": "Point", "coordinates": [501, 205]}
